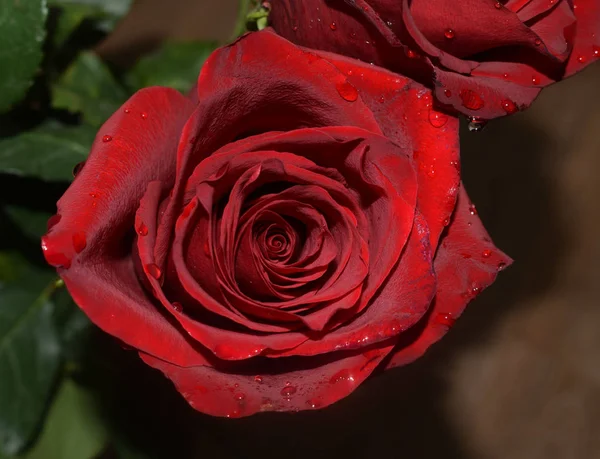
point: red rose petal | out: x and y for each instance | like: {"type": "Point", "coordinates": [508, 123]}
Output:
{"type": "Point", "coordinates": [460, 279]}
{"type": "Point", "coordinates": [101, 203]}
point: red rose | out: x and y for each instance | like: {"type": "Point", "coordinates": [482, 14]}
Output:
{"type": "Point", "coordinates": [271, 246]}
{"type": "Point", "coordinates": [484, 58]}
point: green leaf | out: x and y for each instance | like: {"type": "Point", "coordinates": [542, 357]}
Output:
{"type": "Point", "coordinates": [117, 8]}
{"type": "Point", "coordinates": [88, 87]}
{"type": "Point", "coordinates": [29, 354]}
{"type": "Point", "coordinates": [73, 12]}
{"type": "Point", "coordinates": [175, 65]}
{"type": "Point", "coordinates": [22, 33]}
{"type": "Point", "coordinates": [32, 223]}
{"type": "Point", "coordinates": [73, 429]}
{"type": "Point", "coordinates": [48, 152]}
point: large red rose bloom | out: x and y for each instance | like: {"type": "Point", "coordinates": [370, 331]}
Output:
{"type": "Point", "coordinates": [272, 244]}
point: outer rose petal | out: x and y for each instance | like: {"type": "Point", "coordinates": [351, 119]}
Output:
{"type": "Point", "coordinates": [586, 40]}
{"type": "Point", "coordinates": [466, 263]}
{"type": "Point", "coordinates": [297, 384]}
{"type": "Point", "coordinates": [97, 216]}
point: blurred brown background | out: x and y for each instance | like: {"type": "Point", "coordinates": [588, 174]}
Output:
{"type": "Point", "coordinates": [519, 375]}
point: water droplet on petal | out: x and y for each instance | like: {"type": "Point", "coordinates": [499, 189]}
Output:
{"type": "Point", "coordinates": [53, 221]}
{"type": "Point", "coordinates": [476, 124]}
{"type": "Point", "coordinates": [505, 75]}
{"type": "Point", "coordinates": [509, 106]}
{"type": "Point", "coordinates": [471, 100]}
{"type": "Point", "coordinates": [177, 306]}
{"type": "Point", "coordinates": [79, 242]}
{"type": "Point", "coordinates": [449, 34]}
{"type": "Point", "coordinates": [437, 119]}
{"type": "Point", "coordinates": [538, 42]}
{"type": "Point", "coordinates": [313, 403]}
{"type": "Point", "coordinates": [239, 397]}
{"type": "Point", "coordinates": [78, 167]}
{"type": "Point", "coordinates": [106, 138]}
{"type": "Point", "coordinates": [347, 91]}
{"type": "Point", "coordinates": [142, 229]}
{"type": "Point", "coordinates": [288, 391]}
{"type": "Point", "coordinates": [333, 26]}
{"type": "Point", "coordinates": [486, 253]}
{"type": "Point", "coordinates": [535, 80]}
{"type": "Point", "coordinates": [581, 59]}
{"type": "Point", "coordinates": [144, 116]}
{"type": "Point", "coordinates": [501, 266]}
{"type": "Point", "coordinates": [596, 51]}
{"type": "Point", "coordinates": [498, 5]}
{"type": "Point", "coordinates": [56, 259]}
{"type": "Point", "coordinates": [411, 54]}
{"type": "Point", "coordinates": [447, 93]}
{"type": "Point", "coordinates": [475, 290]}
{"type": "Point", "coordinates": [343, 375]}
{"type": "Point", "coordinates": [258, 379]}
{"type": "Point", "coordinates": [445, 318]}
{"type": "Point", "coordinates": [153, 270]}
{"type": "Point", "coordinates": [295, 28]}
{"type": "Point", "coordinates": [473, 209]}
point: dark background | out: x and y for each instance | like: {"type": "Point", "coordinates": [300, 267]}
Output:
{"type": "Point", "coordinates": [517, 377]}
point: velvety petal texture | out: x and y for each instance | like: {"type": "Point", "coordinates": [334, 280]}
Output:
{"type": "Point", "coordinates": [482, 58]}
{"type": "Point", "coordinates": [270, 243]}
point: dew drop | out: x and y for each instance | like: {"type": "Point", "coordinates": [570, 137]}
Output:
{"type": "Point", "coordinates": [447, 93]}
{"type": "Point", "coordinates": [538, 42]}
{"type": "Point", "coordinates": [53, 221]}
{"type": "Point", "coordinates": [56, 259]}
{"type": "Point", "coordinates": [153, 270]}
{"type": "Point", "coordinates": [498, 5]}
{"type": "Point", "coordinates": [288, 391]}
{"type": "Point", "coordinates": [381, 99]}
{"type": "Point", "coordinates": [295, 28]}
{"type": "Point", "coordinates": [258, 379]}
{"type": "Point", "coordinates": [78, 167]}
{"type": "Point", "coordinates": [106, 138]}
{"type": "Point", "coordinates": [471, 100]}
{"type": "Point", "coordinates": [472, 209]}
{"type": "Point", "coordinates": [79, 242]}
{"type": "Point", "coordinates": [486, 253]}
{"type": "Point", "coordinates": [333, 26]}
{"type": "Point", "coordinates": [127, 111]}
{"type": "Point", "coordinates": [347, 91]}
{"type": "Point", "coordinates": [142, 229]}
{"type": "Point", "coordinates": [449, 34]}
{"type": "Point", "coordinates": [476, 124]}
{"type": "Point", "coordinates": [445, 318]}
{"type": "Point", "coordinates": [596, 51]}
{"type": "Point", "coordinates": [581, 59]}
{"type": "Point", "coordinates": [535, 80]}
{"type": "Point", "coordinates": [239, 397]}
{"type": "Point", "coordinates": [313, 403]}
{"type": "Point", "coordinates": [475, 290]}
{"type": "Point", "coordinates": [509, 106]}
{"type": "Point", "coordinates": [411, 54]}
{"type": "Point", "coordinates": [505, 75]}
{"type": "Point", "coordinates": [144, 116]}
{"type": "Point", "coordinates": [456, 165]}
{"type": "Point", "coordinates": [437, 119]}
{"type": "Point", "coordinates": [177, 306]}
{"type": "Point", "coordinates": [343, 375]}
{"type": "Point", "coordinates": [501, 266]}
